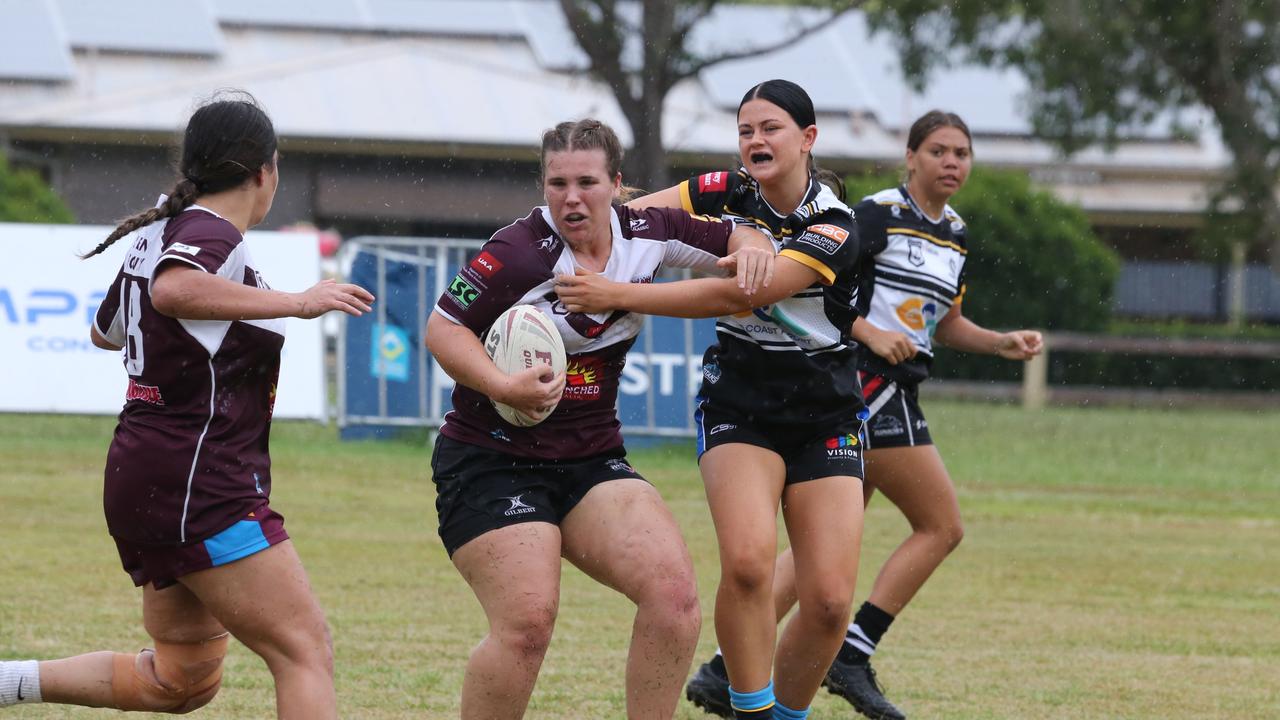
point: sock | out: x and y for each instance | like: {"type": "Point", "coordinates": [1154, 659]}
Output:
{"type": "Point", "coordinates": [864, 633]}
{"type": "Point", "coordinates": [20, 682]}
{"type": "Point", "coordinates": [756, 705]}
{"type": "Point", "coordinates": [782, 712]}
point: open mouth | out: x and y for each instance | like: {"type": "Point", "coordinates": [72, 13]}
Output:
{"type": "Point", "coordinates": [574, 218]}
{"type": "Point", "coordinates": [760, 158]}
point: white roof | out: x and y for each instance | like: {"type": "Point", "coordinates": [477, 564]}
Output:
{"type": "Point", "coordinates": [493, 73]}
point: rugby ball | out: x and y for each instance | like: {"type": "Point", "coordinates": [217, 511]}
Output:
{"type": "Point", "coordinates": [517, 340]}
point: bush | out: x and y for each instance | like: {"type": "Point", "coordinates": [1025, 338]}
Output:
{"type": "Point", "coordinates": [24, 197]}
{"type": "Point", "coordinates": [1033, 260]}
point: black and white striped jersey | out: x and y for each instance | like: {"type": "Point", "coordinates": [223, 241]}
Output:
{"type": "Point", "coordinates": [792, 361]}
{"type": "Point", "coordinates": [912, 275]}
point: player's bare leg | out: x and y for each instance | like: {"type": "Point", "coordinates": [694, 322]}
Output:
{"type": "Point", "coordinates": [266, 601]}
{"type": "Point", "coordinates": [624, 536]}
{"type": "Point", "coordinates": [744, 484]}
{"type": "Point", "coordinates": [515, 574]}
{"type": "Point", "coordinates": [824, 524]}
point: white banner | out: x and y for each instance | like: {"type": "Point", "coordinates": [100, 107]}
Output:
{"type": "Point", "coordinates": [48, 297]}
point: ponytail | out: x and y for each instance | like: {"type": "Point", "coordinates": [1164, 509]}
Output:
{"type": "Point", "coordinates": [830, 179]}
{"type": "Point", "coordinates": [180, 198]}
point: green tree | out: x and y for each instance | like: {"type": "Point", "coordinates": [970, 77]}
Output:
{"type": "Point", "coordinates": [641, 51]}
{"type": "Point", "coordinates": [1034, 261]}
{"type": "Point", "coordinates": [24, 197]}
{"type": "Point", "coordinates": [1099, 69]}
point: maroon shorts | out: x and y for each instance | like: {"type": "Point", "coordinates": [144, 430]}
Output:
{"type": "Point", "coordinates": [162, 565]}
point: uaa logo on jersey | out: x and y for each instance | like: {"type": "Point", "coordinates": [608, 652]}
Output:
{"type": "Point", "coordinates": [915, 252]}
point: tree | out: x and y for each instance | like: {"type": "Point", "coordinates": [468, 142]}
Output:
{"type": "Point", "coordinates": [24, 197]}
{"type": "Point", "coordinates": [604, 29]}
{"type": "Point", "coordinates": [1099, 69]}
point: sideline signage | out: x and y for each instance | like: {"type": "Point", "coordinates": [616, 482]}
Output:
{"type": "Point", "coordinates": [48, 297]}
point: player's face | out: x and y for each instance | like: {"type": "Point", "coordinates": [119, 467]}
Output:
{"type": "Point", "coordinates": [770, 142]}
{"type": "Point", "coordinates": [580, 193]}
{"type": "Point", "coordinates": [942, 164]}
{"type": "Point", "coordinates": [266, 192]}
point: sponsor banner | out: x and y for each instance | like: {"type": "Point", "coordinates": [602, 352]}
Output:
{"type": "Point", "coordinates": [48, 297]}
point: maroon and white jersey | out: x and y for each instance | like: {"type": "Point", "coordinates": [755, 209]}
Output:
{"type": "Point", "coordinates": [518, 266]}
{"type": "Point", "coordinates": [189, 456]}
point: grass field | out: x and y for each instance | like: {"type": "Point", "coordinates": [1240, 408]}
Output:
{"type": "Point", "coordinates": [1117, 564]}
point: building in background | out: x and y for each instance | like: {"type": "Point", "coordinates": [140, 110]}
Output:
{"type": "Point", "coordinates": [421, 117]}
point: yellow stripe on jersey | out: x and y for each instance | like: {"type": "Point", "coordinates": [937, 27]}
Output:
{"type": "Point", "coordinates": [812, 263]}
{"type": "Point", "coordinates": [960, 298]}
{"type": "Point", "coordinates": [926, 236]}
{"type": "Point", "coordinates": [686, 201]}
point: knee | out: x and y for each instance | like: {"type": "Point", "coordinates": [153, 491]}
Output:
{"type": "Point", "coordinates": [949, 536]}
{"type": "Point", "coordinates": [174, 678]}
{"type": "Point", "coordinates": [671, 598]}
{"type": "Point", "coordinates": [748, 573]}
{"type": "Point", "coordinates": [827, 607]}
{"type": "Point", "coordinates": [529, 631]}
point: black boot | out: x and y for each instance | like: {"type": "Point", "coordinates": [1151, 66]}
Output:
{"type": "Point", "coordinates": [857, 683]}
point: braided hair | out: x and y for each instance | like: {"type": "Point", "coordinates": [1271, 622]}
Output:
{"type": "Point", "coordinates": [227, 141]}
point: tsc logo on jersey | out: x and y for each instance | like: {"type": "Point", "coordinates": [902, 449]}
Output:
{"type": "Point", "coordinates": [714, 182]}
{"type": "Point", "coordinates": [462, 291]}
{"type": "Point", "coordinates": [486, 264]}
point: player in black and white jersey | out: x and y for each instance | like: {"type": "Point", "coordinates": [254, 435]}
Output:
{"type": "Point", "coordinates": [512, 501]}
{"type": "Point", "coordinates": [914, 249]}
{"type": "Point", "coordinates": [188, 474]}
{"type": "Point", "coordinates": [779, 414]}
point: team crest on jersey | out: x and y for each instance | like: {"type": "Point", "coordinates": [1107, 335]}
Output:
{"type": "Point", "coordinates": [711, 371]}
{"type": "Point", "coordinates": [915, 251]}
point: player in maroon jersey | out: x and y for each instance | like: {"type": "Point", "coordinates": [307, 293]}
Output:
{"type": "Point", "coordinates": [513, 501]}
{"type": "Point", "coordinates": [188, 474]}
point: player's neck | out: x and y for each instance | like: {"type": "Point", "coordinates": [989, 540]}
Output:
{"type": "Point", "coordinates": [236, 206]}
{"type": "Point", "coordinates": [932, 206]}
{"type": "Point", "coordinates": [786, 195]}
{"type": "Point", "coordinates": [592, 254]}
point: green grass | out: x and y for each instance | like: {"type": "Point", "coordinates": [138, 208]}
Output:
{"type": "Point", "coordinates": [1117, 564]}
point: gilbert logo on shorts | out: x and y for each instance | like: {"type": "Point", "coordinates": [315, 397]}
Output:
{"type": "Point", "coordinates": [842, 446]}
{"type": "Point", "coordinates": [518, 506]}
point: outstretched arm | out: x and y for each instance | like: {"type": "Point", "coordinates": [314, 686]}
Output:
{"type": "Point", "coordinates": [960, 333]}
{"type": "Point", "coordinates": [699, 298]}
{"type": "Point", "coordinates": [186, 292]}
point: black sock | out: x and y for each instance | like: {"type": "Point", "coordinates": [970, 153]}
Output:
{"type": "Point", "coordinates": [860, 641]}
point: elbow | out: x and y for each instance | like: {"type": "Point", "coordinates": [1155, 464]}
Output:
{"type": "Point", "coordinates": [165, 299]}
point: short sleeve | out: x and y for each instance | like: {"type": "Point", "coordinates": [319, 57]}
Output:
{"type": "Point", "coordinates": [109, 320]}
{"type": "Point", "coordinates": [201, 240]}
{"type": "Point", "coordinates": [828, 245]}
{"type": "Point", "coordinates": [506, 268]}
{"type": "Point", "coordinates": [707, 194]}
{"type": "Point", "coordinates": [688, 241]}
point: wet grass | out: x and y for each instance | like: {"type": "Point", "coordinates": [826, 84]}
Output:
{"type": "Point", "coordinates": [1117, 564]}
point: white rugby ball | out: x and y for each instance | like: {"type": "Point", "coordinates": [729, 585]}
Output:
{"type": "Point", "coordinates": [519, 338]}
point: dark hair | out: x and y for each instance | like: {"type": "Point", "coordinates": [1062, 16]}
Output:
{"type": "Point", "coordinates": [227, 141]}
{"type": "Point", "coordinates": [932, 120]}
{"type": "Point", "coordinates": [786, 95]}
{"type": "Point", "coordinates": [795, 102]}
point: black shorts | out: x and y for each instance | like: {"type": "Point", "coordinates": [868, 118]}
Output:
{"type": "Point", "coordinates": [896, 417]}
{"type": "Point", "coordinates": [810, 451]}
{"type": "Point", "coordinates": [479, 489]}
